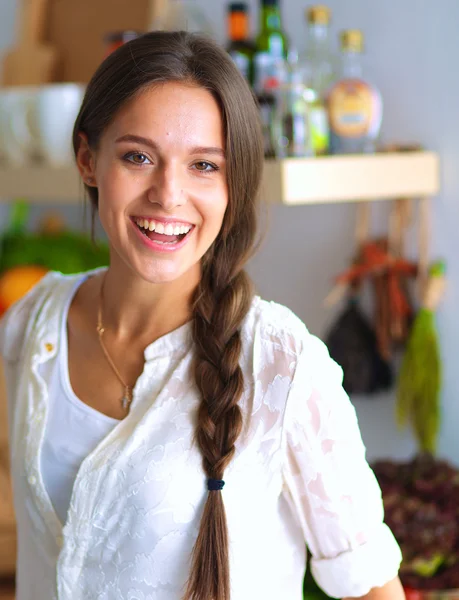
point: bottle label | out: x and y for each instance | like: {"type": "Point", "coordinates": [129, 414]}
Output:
{"type": "Point", "coordinates": [354, 108]}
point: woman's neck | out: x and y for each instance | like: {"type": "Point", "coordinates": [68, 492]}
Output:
{"type": "Point", "coordinates": [136, 311]}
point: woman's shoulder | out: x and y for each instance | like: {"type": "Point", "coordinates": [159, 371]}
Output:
{"type": "Point", "coordinates": [280, 331]}
{"type": "Point", "coordinates": [17, 323]}
{"type": "Point", "coordinates": [274, 324]}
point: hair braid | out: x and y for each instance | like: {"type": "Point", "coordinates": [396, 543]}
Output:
{"type": "Point", "coordinates": [218, 313]}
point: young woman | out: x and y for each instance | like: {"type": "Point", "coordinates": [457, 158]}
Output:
{"type": "Point", "coordinates": [137, 392]}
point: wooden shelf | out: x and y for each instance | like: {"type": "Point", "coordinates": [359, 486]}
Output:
{"type": "Point", "coordinates": [291, 181]}
{"type": "Point", "coordinates": [41, 184]}
{"type": "Point", "coordinates": [352, 178]}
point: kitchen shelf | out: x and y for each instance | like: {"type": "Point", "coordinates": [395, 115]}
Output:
{"type": "Point", "coordinates": [352, 178]}
{"type": "Point", "coordinates": [290, 181]}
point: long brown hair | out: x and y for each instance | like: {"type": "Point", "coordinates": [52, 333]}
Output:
{"type": "Point", "coordinates": [224, 294]}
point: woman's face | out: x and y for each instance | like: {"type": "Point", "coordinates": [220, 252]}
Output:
{"type": "Point", "coordinates": [160, 170]}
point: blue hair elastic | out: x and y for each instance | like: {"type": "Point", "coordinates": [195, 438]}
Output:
{"type": "Point", "coordinates": [215, 485]}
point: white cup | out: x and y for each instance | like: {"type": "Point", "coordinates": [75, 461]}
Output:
{"type": "Point", "coordinates": [18, 131]}
{"type": "Point", "coordinates": [57, 107]}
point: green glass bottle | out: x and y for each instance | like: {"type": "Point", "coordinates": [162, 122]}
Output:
{"type": "Point", "coordinates": [272, 38]}
{"type": "Point", "coordinates": [269, 65]}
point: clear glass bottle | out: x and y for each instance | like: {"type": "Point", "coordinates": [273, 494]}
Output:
{"type": "Point", "coordinates": [240, 48]}
{"type": "Point", "coordinates": [290, 127]}
{"type": "Point", "coordinates": [317, 65]}
{"type": "Point", "coordinates": [267, 80]}
{"type": "Point", "coordinates": [354, 104]}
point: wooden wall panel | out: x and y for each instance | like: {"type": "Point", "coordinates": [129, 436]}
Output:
{"type": "Point", "coordinates": [78, 27]}
{"type": "Point", "coordinates": [3, 419]}
{"type": "Point", "coordinates": [7, 522]}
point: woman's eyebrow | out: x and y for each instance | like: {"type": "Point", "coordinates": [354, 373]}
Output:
{"type": "Point", "coordinates": [208, 150]}
{"type": "Point", "coordinates": [138, 139]}
{"type": "Point", "coordinates": [148, 142]}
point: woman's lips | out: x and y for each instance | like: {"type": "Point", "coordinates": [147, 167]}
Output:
{"type": "Point", "coordinates": [171, 243]}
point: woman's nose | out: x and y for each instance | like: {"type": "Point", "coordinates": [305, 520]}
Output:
{"type": "Point", "coordinates": [167, 190]}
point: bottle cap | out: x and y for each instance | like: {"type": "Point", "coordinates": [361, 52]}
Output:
{"type": "Point", "coordinates": [238, 7]}
{"type": "Point", "coordinates": [270, 3]}
{"type": "Point", "coordinates": [352, 40]}
{"type": "Point", "coordinates": [318, 15]}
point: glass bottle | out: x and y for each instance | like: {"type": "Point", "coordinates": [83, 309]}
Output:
{"type": "Point", "coordinates": [271, 39]}
{"type": "Point", "coordinates": [291, 121]}
{"type": "Point", "coordinates": [269, 62]}
{"type": "Point", "coordinates": [354, 104]}
{"type": "Point", "coordinates": [266, 83]}
{"type": "Point", "coordinates": [240, 48]}
{"type": "Point", "coordinates": [317, 65]}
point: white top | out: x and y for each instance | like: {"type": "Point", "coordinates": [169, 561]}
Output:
{"type": "Point", "coordinates": [73, 429]}
{"type": "Point", "coordinates": [299, 474]}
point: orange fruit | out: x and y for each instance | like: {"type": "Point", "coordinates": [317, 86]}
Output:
{"type": "Point", "coordinates": [17, 281]}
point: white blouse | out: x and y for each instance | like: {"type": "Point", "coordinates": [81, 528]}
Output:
{"type": "Point", "coordinates": [73, 429]}
{"type": "Point", "coordinates": [299, 475]}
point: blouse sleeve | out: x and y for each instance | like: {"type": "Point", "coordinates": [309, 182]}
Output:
{"type": "Point", "coordinates": [330, 485]}
{"type": "Point", "coordinates": [16, 322]}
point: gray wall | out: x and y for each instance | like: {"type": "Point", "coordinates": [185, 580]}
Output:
{"type": "Point", "coordinates": [412, 47]}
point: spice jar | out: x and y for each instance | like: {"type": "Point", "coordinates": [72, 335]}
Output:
{"type": "Point", "coordinates": [116, 39]}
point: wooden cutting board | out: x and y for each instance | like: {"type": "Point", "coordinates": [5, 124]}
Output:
{"type": "Point", "coordinates": [31, 61]}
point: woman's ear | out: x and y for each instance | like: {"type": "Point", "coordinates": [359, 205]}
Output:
{"type": "Point", "coordinates": [86, 161]}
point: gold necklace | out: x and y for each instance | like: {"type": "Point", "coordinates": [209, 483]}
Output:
{"type": "Point", "coordinates": [127, 396]}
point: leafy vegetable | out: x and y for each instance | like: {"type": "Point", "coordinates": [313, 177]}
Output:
{"type": "Point", "coordinates": [422, 509]}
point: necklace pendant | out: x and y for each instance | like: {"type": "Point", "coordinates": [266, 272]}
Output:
{"type": "Point", "coordinates": [127, 397]}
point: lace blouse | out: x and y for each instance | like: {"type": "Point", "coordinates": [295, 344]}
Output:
{"type": "Point", "coordinates": [299, 476]}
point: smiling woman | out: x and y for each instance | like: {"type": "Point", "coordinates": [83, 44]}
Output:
{"type": "Point", "coordinates": [173, 436]}
{"type": "Point", "coordinates": [166, 171]}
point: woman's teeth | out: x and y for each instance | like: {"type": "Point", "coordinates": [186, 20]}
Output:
{"type": "Point", "coordinates": [169, 229]}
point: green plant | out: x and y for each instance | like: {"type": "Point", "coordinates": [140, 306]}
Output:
{"type": "Point", "coordinates": [62, 250]}
{"type": "Point", "coordinates": [311, 590]}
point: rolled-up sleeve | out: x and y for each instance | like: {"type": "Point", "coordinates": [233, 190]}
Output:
{"type": "Point", "coordinates": [330, 485]}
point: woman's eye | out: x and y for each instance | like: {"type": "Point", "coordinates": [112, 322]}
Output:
{"type": "Point", "coordinates": [137, 158]}
{"type": "Point", "coordinates": [205, 167]}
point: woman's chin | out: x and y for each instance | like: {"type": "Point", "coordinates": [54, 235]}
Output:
{"type": "Point", "coordinates": [166, 276]}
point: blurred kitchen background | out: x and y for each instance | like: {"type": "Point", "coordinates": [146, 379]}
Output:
{"type": "Point", "coordinates": [410, 54]}
{"type": "Point", "coordinates": [410, 51]}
